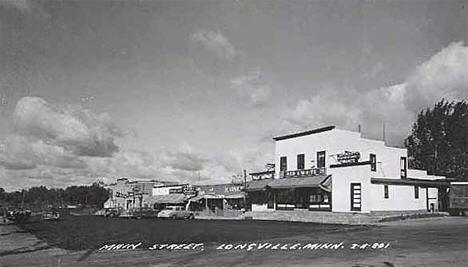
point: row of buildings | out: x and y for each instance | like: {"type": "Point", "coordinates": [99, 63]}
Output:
{"type": "Point", "coordinates": [325, 169]}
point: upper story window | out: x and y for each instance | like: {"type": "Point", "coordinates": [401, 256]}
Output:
{"type": "Point", "coordinates": [283, 163]}
{"type": "Point", "coordinates": [321, 159]}
{"type": "Point", "coordinates": [300, 161]}
{"type": "Point", "coordinates": [403, 168]}
{"type": "Point", "coordinates": [373, 161]}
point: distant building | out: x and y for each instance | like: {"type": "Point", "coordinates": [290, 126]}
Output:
{"type": "Point", "coordinates": [126, 194]}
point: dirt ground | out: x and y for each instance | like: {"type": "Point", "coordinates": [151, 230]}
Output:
{"type": "Point", "coordinates": [418, 242]}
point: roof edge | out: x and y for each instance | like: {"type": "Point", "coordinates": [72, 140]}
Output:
{"type": "Point", "coordinates": [309, 132]}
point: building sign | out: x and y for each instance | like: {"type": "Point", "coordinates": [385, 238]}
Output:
{"type": "Point", "coordinates": [348, 157]}
{"type": "Point", "coordinates": [234, 188]}
{"type": "Point", "coordinates": [186, 189]}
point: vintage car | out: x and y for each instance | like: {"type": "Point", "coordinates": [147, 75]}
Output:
{"type": "Point", "coordinates": [176, 212]}
{"type": "Point", "coordinates": [111, 212]}
{"type": "Point", "coordinates": [50, 216]}
{"type": "Point", "coordinates": [139, 213]}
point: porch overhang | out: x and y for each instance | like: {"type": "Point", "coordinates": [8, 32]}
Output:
{"type": "Point", "coordinates": [318, 181]}
{"type": "Point", "coordinates": [409, 181]}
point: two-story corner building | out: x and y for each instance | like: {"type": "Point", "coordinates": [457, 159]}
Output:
{"type": "Point", "coordinates": [338, 170]}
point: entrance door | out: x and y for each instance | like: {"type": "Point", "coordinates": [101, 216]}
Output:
{"type": "Point", "coordinates": [356, 196]}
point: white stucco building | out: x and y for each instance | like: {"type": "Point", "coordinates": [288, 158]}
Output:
{"type": "Point", "coordinates": [338, 170]}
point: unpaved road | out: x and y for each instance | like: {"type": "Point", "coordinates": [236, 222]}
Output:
{"type": "Point", "coordinates": [420, 242]}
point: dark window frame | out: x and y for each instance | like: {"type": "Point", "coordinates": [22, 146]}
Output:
{"type": "Point", "coordinates": [416, 192]}
{"type": "Point", "coordinates": [353, 196]}
{"type": "Point", "coordinates": [386, 192]}
{"type": "Point", "coordinates": [373, 161]}
{"type": "Point", "coordinates": [321, 163]}
{"type": "Point", "coordinates": [404, 168]}
{"type": "Point", "coordinates": [283, 165]}
{"type": "Point", "coordinates": [300, 161]}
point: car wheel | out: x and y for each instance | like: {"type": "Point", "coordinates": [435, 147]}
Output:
{"type": "Point", "coordinates": [173, 217]}
{"type": "Point", "coordinates": [191, 217]}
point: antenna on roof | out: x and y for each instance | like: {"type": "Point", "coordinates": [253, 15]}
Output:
{"type": "Point", "coordinates": [383, 131]}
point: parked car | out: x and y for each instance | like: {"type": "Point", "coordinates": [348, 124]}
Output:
{"type": "Point", "coordinates": [50, 216]}
{"type": "Point", "coordinates": [145, 213]}
{"type": "Point", "coordinates": [111, 212]}
{"type": "Point", "coordinates": [176, 212]}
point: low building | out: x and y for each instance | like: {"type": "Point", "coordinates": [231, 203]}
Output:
{"type": "Point", "coordinates": [125, 194]}
{"type": "Point", "coordinates": [219, 199]}
{"type": "Point", "coordinates": [330, 169]}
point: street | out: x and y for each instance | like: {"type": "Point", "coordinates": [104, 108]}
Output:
{"type": "Point", "coordinates": [418, 242]}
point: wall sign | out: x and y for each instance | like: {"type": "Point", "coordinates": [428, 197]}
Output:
{"type": "Point", "coordinates": [348, 157]}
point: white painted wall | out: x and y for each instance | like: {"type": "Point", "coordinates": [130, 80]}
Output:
{"type": "Point", "coordinates": [261, 207]}
{"type": "Point", "coordinates": [341, 187]}
{"type": "Point", "coordinates": [337, 141]}
{"type": "Point", "coordinates": [164, 190]}
{"type": "Point", "coordinates": [400, 197]}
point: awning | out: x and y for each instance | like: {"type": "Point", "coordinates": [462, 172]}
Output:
{"type": "Point", "coordinates": [257, 185]}
{"type": "Point", "coordinates": [418, 182]}
{"type": "Point", "coordinates": [168, 199]}
{"type": "Point", "coordinates": [198, 198]}
{"type": "Point", "coordinates": [288, 183]}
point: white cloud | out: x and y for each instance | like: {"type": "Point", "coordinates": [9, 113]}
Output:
{"type": "Point", "coordinates": [445, 75]}
{"type": "Point", "coordinates": [216, 42]}
{"type": "Point", "coordinates": [23, 5]}
{"type": "Point", "coordinates": [75, 129]}
{"type": "Point", "coordinates": [253, 87]}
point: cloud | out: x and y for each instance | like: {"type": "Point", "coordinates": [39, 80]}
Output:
{"type": "Point", "coordinates": [185, 159]}
{"type": "Point", "coordinates": [22, 5]}
{"type": "Point", "coordinates": [216, 42]}
{"type": "Point", "coordinates": [73, 128]}
{"type": "Point", "coordinates": [444, 75]}
{"type": "Point", "coordinates": [254, 87]}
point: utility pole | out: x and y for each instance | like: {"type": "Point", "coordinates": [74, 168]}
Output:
{"type": "Point", "coordinates": [245, 188]}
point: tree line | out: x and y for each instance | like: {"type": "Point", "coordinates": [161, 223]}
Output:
{"type": "Point", "coordinates": [41, 197]}
{"type": "Point", "coordinates": [438, 141]}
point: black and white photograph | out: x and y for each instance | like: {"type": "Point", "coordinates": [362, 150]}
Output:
{"type": "Point", "coordinates": [233, 133]}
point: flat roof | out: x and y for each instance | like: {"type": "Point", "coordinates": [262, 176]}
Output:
{"type": "Point", "coordinates": [309, 132]}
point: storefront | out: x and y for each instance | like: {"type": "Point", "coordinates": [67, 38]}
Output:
{"type": "Point", "coordinates": [312, 193]}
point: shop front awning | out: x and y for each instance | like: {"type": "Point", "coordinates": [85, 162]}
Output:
{"type": "Point", "coordinates": [418, 182]}
{"type": "Point", "coordinates": [208, 196]}
{"type": "Point", "coordinates": [290, 183]}
{"type": "Point", "coordinates": [168, 199]}
{"type": "Point", "coordinates": [257, 185]}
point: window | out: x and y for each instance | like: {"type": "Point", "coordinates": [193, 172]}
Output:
{"type": "Point", "coordinates": [385, 191]}
{"type": "Point", "coordinates": [283, 164]}
{"type": "Point", "coordinates": [300, 161]}
{"type": "Point", "coordinates": [355, 196]}
{"type": "Point", "coordinates": [403, 167]}
{"type": "Point", "coordinates": [373, 161]}
{"type": "Point", "coordinates": [416, 192]}
{"type": "Point", "coordinates": [321, 159]}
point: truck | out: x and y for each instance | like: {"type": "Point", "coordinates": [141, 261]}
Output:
{"type": "Point", "coordinates": [458, 199]}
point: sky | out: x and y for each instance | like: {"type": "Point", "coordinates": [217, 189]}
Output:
{"type": "Point", "coordinates": [194, 91]}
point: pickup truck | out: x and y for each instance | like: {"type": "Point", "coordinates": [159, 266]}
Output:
{"type": "Point", "coordinates": [458, 198]}
{"type": "Point", "coordinates": [176, 212]}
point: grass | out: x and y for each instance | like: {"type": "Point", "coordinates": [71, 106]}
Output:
{"type": "Point", "coordinates": [88, 232]}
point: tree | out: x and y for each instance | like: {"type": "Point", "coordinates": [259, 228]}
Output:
{"type": "Point", "coordinates": [439, 140]}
